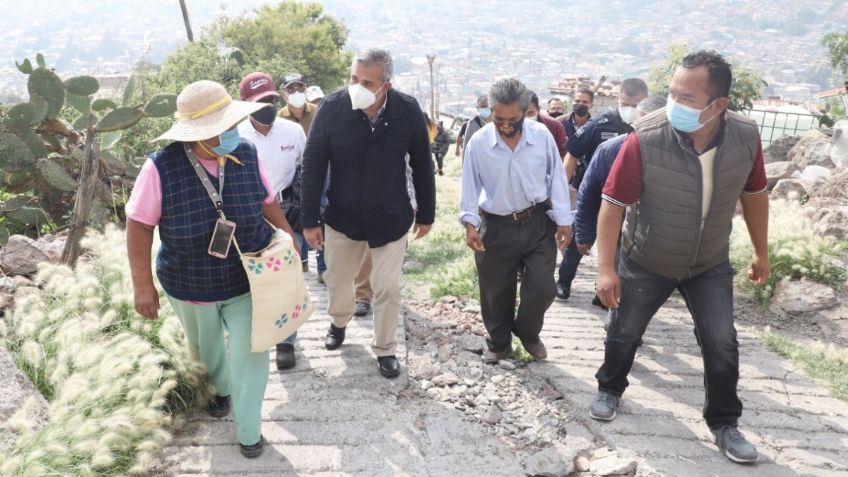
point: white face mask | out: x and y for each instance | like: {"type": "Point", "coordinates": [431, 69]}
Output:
{"type": "Point", "coordinates": [361, 97]}
{"type": "Point", "coordinates": [627, 113]}
{"type": "Point", "coordinates": [296, 100]}
{"type": "Point", "coordinates": [532, 118]}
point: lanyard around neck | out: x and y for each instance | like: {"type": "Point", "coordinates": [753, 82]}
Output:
{"type": "Point", "coordinates": [214, 195]}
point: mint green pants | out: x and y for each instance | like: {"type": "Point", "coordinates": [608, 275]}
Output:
{"type": "Point", "coordinates": [244, 375]}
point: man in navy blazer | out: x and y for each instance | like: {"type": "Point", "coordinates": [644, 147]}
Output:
{"type": "Point", "coordinates": [362, 136]}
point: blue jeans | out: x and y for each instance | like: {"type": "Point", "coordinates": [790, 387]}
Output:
{"type": "Point", "coordinates": [319, 258]}
{"type": "Point", "coordinates": [304, 250]}
{"type": "Point", "coordinates": [568, 267]}
{"type": "Point", "coordinates": [304, 254]}
{"type": "Point", "coordinates": [709, 297]}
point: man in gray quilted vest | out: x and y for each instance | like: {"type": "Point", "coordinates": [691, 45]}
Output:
{"type": "Point", "coordinates": [680, 173]}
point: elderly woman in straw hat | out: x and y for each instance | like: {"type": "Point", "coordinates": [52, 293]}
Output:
{"type": "Point", "coordinates": [203, 280]}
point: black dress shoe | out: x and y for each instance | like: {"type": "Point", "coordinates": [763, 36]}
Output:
{"type": "Point", "coordinates": [597, 302]}
{"type": "Point", "coordinates": [285, 356]}
{"type": "Point", "coordinates": [253, 451]}
{"type": "Point", "coordinates": [563, 292]}
{"type": "Point", "coordinates": [362, 309]}
{"type": "Point", "coordinates": [389, 366]}
{"type": "Point", "coordinates": [335, 337]}
{"type": "Point", "coordinates": [219, 406]}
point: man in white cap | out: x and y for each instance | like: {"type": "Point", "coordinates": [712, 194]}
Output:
{"type": "Point", "coordinates": [280, 145]}
{"type": "Point", "coordinates": [314, 94]}
{"type": "Point", "coordinates": [297, 108]}
{"type": "Point", "coordinates": [300, 111]}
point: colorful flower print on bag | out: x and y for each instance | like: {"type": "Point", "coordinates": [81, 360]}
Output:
{"type": "Point", "coordinates": [254, 266]}
{"type": "Point", "coordinates": [282, 320]}
{"type": "Point", "coordinates": [273, 264]}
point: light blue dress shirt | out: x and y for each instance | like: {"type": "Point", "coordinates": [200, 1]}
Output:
{"type": "Point", "coordinates": [502, 181]}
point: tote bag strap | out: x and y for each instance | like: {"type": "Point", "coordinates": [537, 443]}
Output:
{"type": "Point", "coordinates": [213, 194]}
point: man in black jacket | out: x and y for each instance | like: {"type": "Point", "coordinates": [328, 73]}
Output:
{"type": "Point", "coordinates": [441, 145]}
{"type": "Point", "coordinates": [363, 134]}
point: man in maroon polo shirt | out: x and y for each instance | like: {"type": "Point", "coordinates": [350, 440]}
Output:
{"type": "Point", "coordinates": [680, 174]}
{"type": "Point", "coordinates": [556, 128]}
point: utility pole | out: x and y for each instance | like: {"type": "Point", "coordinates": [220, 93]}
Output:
{"type": "Point", "coordinates": [431, 59]}
{"type": "Point", "coordinates": [186, 21]}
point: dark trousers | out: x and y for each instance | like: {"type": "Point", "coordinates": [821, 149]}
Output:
{"type": "Point", "coordinates": [709, 297]}
{"type": "Point", "coordinates": [440, 159]}
{"type": "Point", "coordinates": [568, 267]}
{"type": "Point", "coordinates": [509, 244]}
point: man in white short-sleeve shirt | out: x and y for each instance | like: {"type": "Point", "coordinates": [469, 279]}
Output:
{"type": "Point", "coordinates": [279, 145]}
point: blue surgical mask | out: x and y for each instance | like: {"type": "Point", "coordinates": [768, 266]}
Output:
{"type": "Point", "coordinates": [229, 141]}
{"type": "Point", "coordinates": [683, 118]}
{"type": "Point", "coordinates": [484, 113]}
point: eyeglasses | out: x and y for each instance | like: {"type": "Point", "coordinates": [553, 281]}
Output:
{"type": "Point", "coordinates": [295, 87]}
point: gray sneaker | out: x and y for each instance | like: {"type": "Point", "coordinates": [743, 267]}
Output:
{"type": "Point", "coordinates": [734, 446]}
{"type": "Point", "coordinates": [604, 406]}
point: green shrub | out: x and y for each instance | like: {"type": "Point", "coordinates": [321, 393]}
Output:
{"type": "Point", "coordinates": [458, 280]}
{"type": "Point", "coordinates": [442, 260]}
{"type": "Point", "coordinates": [116, 385]}
{"type": "Point", "coordinates": [796, 250]}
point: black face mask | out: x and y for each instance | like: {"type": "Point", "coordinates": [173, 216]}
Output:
{"type": "Point", "coordinates": [555, 114]}
{"type": "Point", "coordinates": [265, 115]}
{"type": "Point", "coordinates": [511, 129]}
{"type": "Point", "coordinates": [580, 109]}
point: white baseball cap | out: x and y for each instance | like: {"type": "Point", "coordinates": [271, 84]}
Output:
{"type": "Point", "coordinates": [314, 92]}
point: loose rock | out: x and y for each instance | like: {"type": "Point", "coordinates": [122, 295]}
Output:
{"type": "Point", "coordinates": [832, 221]}
{"type": "Point", "coordinates": [789, 189]}
{"type": "Point", "coordinates": [812, 149]}
{"type": "Point", "coordinates": [582, 464]}
{"type": "Point", "coordinates": [803, 296]}
{"type": "Point", "coordinates": [6, 300]}
{"type": "Point", "coordinates": [612, 465]}
{"type": "Point", "coordinates": [779, 149]}
{"type": "Point", "coordinates": [21, 256]}
{"type": "Point", "coordinates": [445, 379]}
{"type": "Point", "coordinates": [508, 365]}
{"type": "Point", "coordinates": [780, 170]}
{"type": "Point", "coordinates": [548, 463]}
{"type": "Point", "coordinates": [493, 415]}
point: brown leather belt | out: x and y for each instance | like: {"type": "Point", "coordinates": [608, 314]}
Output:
{"type": "Point", "coordinates": [523, 214]}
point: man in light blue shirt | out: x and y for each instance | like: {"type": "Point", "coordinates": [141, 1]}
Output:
{"type": "Point", "coordinates": [516, 212]}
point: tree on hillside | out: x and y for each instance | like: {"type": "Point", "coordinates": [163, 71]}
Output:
{"type": "Point", "coordinates": [837, 51]}
{"type": "Point", "coordinates": [300, 33]}
{"type": "Point", "coordinates": [747, 84]}
{"type": "Point", "coordinates": [661, 73]}
{"type": "Point", "coordinates": [290, 36]}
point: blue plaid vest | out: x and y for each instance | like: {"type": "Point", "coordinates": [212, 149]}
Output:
{"type": "Point", "coordinates": [183, 265]}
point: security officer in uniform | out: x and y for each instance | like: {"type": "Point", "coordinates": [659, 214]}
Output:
{"type": "Point", "coordinates": [608, 125]}
{"type": "Point", "coordinates": [581, 105]}
{"type": "Point", "coordinates": [581, 146]}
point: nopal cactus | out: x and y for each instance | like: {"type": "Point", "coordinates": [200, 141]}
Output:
{"type": "Point", "coordinates": [47, 84]}
{"type": "Point", "coordinates": [49, 160]}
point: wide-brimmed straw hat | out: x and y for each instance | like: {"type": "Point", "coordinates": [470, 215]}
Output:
{"type": "Point", "coordinates": [205, 110]}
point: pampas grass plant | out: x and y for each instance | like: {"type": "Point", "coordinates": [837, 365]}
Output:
{"type": "Point", "coordinates": [797, 249]}
{"type": "Point", "coordinates": [116, 385]}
